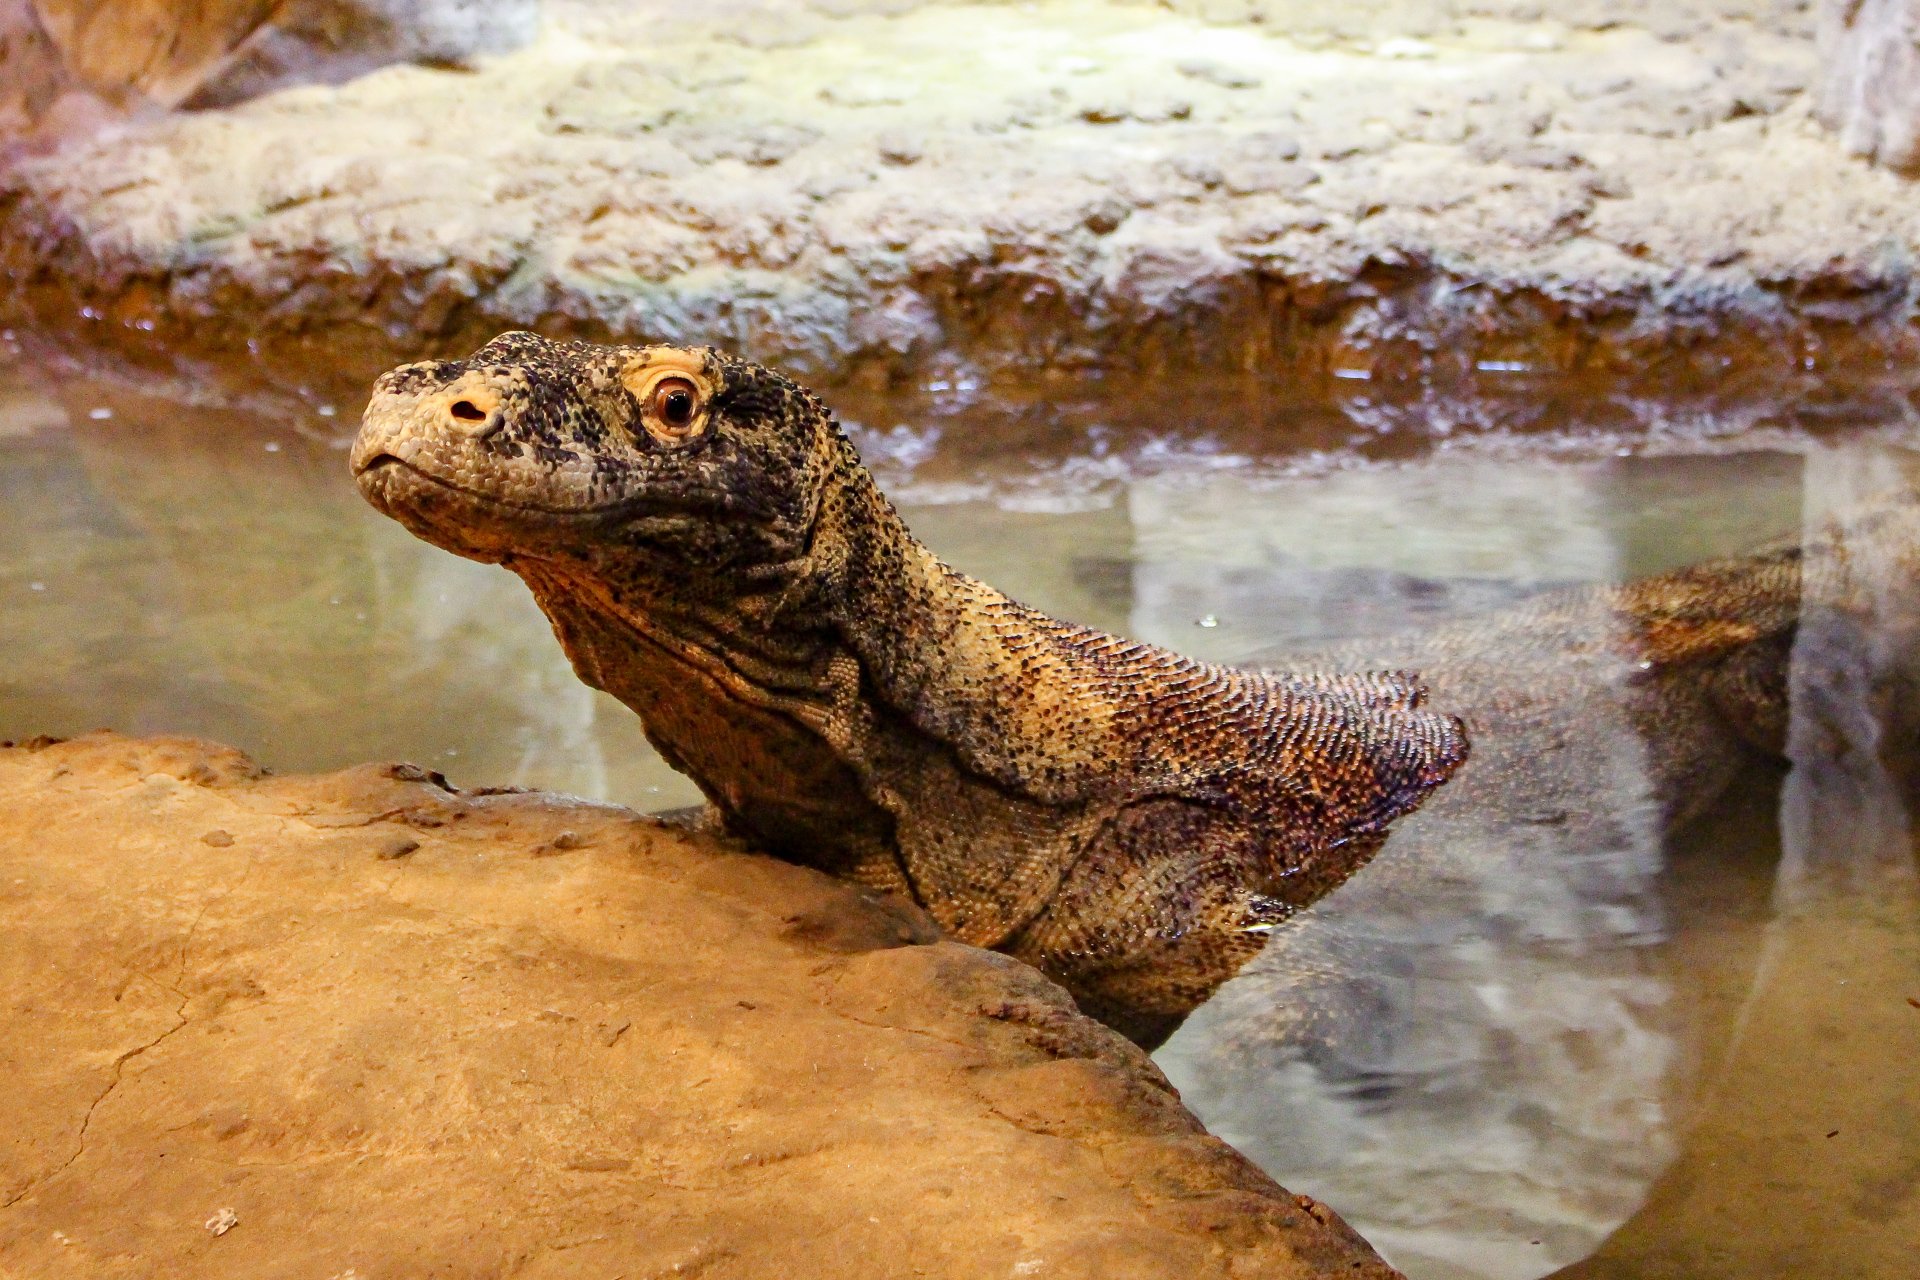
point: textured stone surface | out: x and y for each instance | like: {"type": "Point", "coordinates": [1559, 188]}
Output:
{"type": "Point", "coordinates": [1870, 78]}
{"type": "Point", "coordinates": [946, 190]}
{"type": "Point", "coordinates": [358, 1024]}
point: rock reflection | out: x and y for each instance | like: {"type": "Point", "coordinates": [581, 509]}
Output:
{"type": "Point", "coordinates": [1855, 732]}
{"type": "Point", "coordinates": [1804, 1144]}
{"type": "Point", "coordinates": [1486, 1047]}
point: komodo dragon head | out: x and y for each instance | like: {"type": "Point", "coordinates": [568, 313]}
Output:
{"type": "Point", "coordinates": [710, 551]}
{"type": "Point", "coordinates": [533, 448]}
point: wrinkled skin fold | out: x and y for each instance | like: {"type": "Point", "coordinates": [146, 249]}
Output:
{"type": "Point", "coordinates": [712, 553]}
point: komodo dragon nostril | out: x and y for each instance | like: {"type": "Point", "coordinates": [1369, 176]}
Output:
{"type": "Point", "coordinates": [484, 424]}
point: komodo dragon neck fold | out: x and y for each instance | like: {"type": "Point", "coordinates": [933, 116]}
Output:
{"type": "Point", "coordinates": [712, 553]}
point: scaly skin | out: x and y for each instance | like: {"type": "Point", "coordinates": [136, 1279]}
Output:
{"type": "Point", "coordinates": [1129, 821]}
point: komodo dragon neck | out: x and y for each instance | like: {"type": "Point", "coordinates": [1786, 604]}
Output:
{"type": "Point", "coordinates": [793, 692]}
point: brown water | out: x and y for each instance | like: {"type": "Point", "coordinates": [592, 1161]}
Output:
{"type": "Point", "coordinates": [1710, 1072]}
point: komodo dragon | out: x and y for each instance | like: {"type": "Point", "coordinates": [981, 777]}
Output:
{"type": "Point", "coordinates": [711, 552]}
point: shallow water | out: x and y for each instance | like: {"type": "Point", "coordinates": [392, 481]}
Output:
{"type": "Point", "coordinates": [1701, 1062]}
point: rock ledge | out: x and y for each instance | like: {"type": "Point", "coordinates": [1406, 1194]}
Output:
{"type": "Point", "coordinates": [363, 1024]}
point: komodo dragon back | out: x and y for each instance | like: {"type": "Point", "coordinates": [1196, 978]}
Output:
{"type": "Point", "coordinates": [711, 551]}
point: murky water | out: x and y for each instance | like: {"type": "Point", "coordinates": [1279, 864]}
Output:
{"type": "Point", "coordinates": [1695, 1055]}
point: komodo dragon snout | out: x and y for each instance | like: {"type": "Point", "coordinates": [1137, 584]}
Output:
{"type": "Point", "coordinates": [711, 551]}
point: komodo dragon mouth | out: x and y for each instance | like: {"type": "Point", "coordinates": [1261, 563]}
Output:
{"type": "Point", "coordinates": [388, 482]}
{"type": "Point", "coordinates": [711, 552]}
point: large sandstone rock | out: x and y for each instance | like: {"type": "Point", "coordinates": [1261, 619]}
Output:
{"type": "Point", "coordinates": [151, 49]}
{"type": "Point", "coordinates": [32, 73]}
{"type": "Point", "coordinates": [363, 1025]}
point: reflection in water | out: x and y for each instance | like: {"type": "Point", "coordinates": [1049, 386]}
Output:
{"type": "Point", "coordinates": [1468, 1036]}
{"type": "Point", "coordinates": [1480, 1047]}
{"type": "Point", "coordinates": [1803, 1154]}
{"type": "Point", "coordinates": [1536, 1016]}
{"type": "Point", "coordinates": [198, 572]}
{"type": "Point", "coordinates": [1855, 683]}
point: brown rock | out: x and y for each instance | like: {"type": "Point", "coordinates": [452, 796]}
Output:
{"type": "Point", "coordinates": [639, 1052]}
{"type": "Point", "coordinates": [32, 74]}
{"type": "Point", "coordinates": [155, 49]}
{"type": "Point", "coordinates": [160, 53]}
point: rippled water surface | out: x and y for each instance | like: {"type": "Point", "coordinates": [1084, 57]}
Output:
{"type": "Point", "coordinates": [1686, 1054]}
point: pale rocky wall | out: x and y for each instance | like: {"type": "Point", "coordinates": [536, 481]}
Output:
{"type": "Point", "coordinates": [872, 189]}
{"type": "Point", "coordinates": [1870, 78]}
{"type": "Point", "coordinates": [1370, 22]}
{"type": "Point", "coordinates": [165, 52]}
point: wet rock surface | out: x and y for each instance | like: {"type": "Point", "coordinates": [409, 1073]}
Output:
{"type": "Point", "coordinates": [361, 1024]}
{"type": "Point", "coordinates": [1425, 194]}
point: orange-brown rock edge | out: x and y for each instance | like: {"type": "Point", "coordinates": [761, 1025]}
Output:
{"type": "Point", "coordinates": [363, 1024]}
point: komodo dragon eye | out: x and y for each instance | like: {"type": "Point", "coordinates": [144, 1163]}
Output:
{"type": "Point", "coordinates": [673, 410]}
{"type": "Point", "coordinates": [673, 394]}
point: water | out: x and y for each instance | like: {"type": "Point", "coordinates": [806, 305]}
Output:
{"type": "Point", "coordinates": [1693, 1055]}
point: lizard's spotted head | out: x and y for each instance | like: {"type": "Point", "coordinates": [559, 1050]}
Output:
{"type": "Point", "coordinates": [565, 450]}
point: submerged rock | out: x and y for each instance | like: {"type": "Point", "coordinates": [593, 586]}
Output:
{"type": "Point", "coordinates": [363, 1023]}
